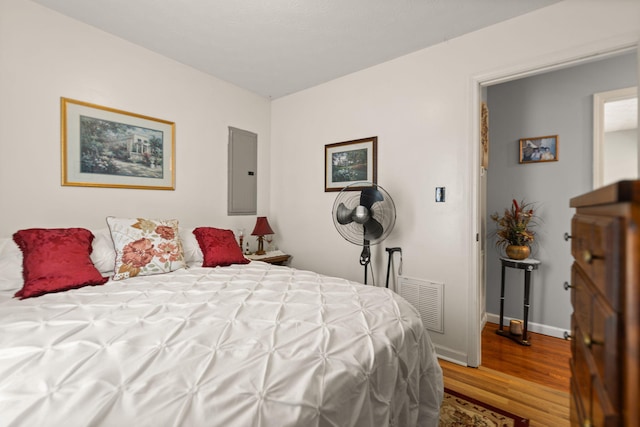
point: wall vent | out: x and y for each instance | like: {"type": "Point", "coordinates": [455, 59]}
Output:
{"type": "Point", "coordinates": [427, 297]}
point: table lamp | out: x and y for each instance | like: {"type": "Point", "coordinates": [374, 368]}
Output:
{"type": "Point", "coordinates": [261, 229]}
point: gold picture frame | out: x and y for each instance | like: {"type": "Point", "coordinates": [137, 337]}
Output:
{"type": "Point", "coordinates": [106, 147]}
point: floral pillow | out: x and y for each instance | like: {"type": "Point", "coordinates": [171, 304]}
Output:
{"type": "Point", "coordinates": [145, 246]}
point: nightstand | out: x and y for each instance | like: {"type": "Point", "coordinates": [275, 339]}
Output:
{"type": "Point", "coordinates": [272, 257]}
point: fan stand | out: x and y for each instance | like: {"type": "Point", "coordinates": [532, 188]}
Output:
{"type": "Point", "coordinates": [365, 258]}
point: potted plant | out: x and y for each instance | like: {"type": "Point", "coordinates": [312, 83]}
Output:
{"type": "Point", "coordinates": [514, 233]}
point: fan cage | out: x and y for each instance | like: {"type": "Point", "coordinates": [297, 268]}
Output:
{"type": "Point", "coordinates": [383, 211]}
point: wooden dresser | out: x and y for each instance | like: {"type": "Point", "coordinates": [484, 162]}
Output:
{"type": "Point", "coordinates": [605, 293]}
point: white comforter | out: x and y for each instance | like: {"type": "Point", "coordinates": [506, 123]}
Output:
{"type": "Point", "coordinates": [249, 345]}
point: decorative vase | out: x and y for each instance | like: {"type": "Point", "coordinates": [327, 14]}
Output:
{"type": "Point", "coordinates": [518, 252]}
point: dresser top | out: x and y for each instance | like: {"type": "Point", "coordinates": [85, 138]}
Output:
{"type": "Point", "coordinates": [622, 191]}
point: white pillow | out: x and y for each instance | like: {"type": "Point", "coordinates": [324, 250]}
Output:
{"type": "Point", "coordinates": [10, 266]}
{"type": "Point", "coordinates": [145, 246]}
{"type": "Point", "coordinates": [103, 255]}
{"type": "Point", "coordinates": [190, 246]}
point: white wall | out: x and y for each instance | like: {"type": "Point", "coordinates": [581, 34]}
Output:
{"type": "Point", "coordinates": [421, 107]}
{"type": "Point", "coordinates": [620, 156]}
{"type": "Point", "coordinates": [44, 56]}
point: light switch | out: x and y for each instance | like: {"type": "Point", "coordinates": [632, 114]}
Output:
{"type": "Point", "coordinates": [440, 194]}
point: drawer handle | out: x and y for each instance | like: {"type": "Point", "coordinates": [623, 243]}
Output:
{"type": "Point", "coordinates": [567, 236]}
{"type": "Point", "coordinates": [588, 256]}
{"type": "Point", "coordinates": [590, 342]}
{"type": "Point", "coordinates": [567, 286]}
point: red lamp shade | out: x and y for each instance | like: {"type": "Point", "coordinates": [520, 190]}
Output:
{"type": "Point", "coordinates": [262, 227]}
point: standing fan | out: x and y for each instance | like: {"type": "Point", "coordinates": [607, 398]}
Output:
{"type": "Point", "coordinates": [364, 217]}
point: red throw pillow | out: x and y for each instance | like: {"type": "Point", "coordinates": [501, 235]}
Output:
{"type": "Point", "coordinates": [219, 247]}
{"type": "Point", "coordinates": [56, 259]}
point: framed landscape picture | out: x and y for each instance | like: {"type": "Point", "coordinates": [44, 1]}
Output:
{"type": "Point", "coordinates": [539, 149]}
{"type": "Point", "coordinates": [105, 147]}
{"type": "Point", "coordinates": [349, 162]}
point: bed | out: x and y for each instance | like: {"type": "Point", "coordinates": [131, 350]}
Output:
{"type": "Point", "coordinates": [244, 344]}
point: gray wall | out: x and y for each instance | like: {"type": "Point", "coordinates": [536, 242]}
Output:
{"type": "Point", "coordinates": [555, 103]}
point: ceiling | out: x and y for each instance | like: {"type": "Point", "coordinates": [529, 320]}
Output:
{"type": "Point", "coordinates": [278, 47]}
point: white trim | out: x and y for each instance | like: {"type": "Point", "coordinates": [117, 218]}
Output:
{"type": "Point", "coordinates": [474, 305]}
{"type": "Point", "coordinates": [559, 60]}
{"type": "Point", "coordinates": [450, 355]}
{"type": "Point", "coordinates": [538, 328]}
{"type": "Point", "coordinates": [599, 100]}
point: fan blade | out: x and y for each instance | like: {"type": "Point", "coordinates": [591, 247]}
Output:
{"type": "Point", "coordinates": [372, 229]}
{"type": "Point", "coordinates": [369, 196]}
{"type": "Point", "coordinates": [344, 215]}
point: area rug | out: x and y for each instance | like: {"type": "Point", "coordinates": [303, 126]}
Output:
{"type": "Point", "coordinates": [459, 410]}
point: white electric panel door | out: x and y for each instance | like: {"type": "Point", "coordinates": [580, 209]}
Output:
{"type": "Point", "coordinates": [243, 162]}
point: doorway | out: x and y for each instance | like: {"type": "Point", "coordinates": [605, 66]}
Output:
{"type": "Point", "coordinates": [486, 255]}
{"type": "Point", "coordinates": [615, 136]}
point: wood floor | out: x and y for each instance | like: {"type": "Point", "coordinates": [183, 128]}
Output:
{"type": "Point", "coordinates": [532, 382]}
{"type": "Point", "coordinates": [545, 362]}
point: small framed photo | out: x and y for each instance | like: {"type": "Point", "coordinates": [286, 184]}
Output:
{"type": "Point", "coordinates": [539, 149]}
{"type": "Point", "coordinates": [105, 147]}
{"type": "Point", "coordinates": [348, 162]}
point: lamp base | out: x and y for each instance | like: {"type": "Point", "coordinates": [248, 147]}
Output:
{"type": "Point", "coordinates": [260, 250]}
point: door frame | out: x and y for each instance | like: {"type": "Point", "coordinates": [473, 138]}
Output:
{"type": "Point", "coordinates": [550, 62]}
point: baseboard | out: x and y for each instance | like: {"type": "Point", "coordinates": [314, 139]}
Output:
{"type": "Point", "coordinates": [483, 320]}
{"type": "Point", "coordinates": [538, 328]}
{"type": "Point", "coordinates": [451, 355]}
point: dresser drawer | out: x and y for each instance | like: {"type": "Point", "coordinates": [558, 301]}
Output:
{"type": "Point", "coordinates": [603, 413]}
{"type": "Point", "coordinates": [603, 342]}
{"type": "Point", "coordinates": [578, 413]}
{"type": "Point", "coordinates": [581, 298]}
{"type": "Point", "coordinates": [595, 326]}
{"type": "Point", "coordinates": [592, 404]}
{"type": "Point", "coordinates": [581, 385]}
{"type": "Point", "coordinates": [596, 248]}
